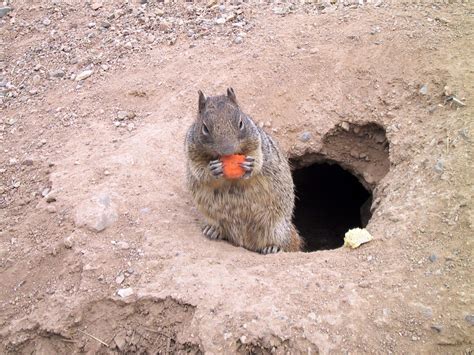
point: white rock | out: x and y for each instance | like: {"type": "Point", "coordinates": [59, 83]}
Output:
{"type": "Point", "coordinates": [238, 40]}
{"type": "Point", "coordinates": [151, 38]}
{"type": "Point", "coordinates": [122, 245]}
{"type": "Point", "coordinates": [84, 75]}
{"type": "Point", "coordinates": [68, 242]}
{"type": "Point", "coordinates": [120, 278]}
{"type": "Point", "coordinates": [96, 4]}
{"type": "Point", "coordinates": [345, 126]}
{"type": "Point", "coordinates": [125, 292]}
{"type": "Point", "coordinates": [96, 213]}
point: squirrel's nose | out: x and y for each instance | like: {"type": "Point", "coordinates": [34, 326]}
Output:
{"type": "Point", "coordinates": [227, 149]}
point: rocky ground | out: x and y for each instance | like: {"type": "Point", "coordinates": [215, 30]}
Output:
{"type": "Point", "coordinates": [100, 245]}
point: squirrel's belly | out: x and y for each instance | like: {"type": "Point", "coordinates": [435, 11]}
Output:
{"type": "Point", "coordinates": [245, 212]}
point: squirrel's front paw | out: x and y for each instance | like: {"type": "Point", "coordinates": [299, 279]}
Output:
{"type": "Point", "coordinates": [211, 232]}
{"type": "Point", "coordinates": [272, 249]}
{"type": "Point", "coordinates": [217, 168]}
{"type": "Point", "coordinates": [248, 166]}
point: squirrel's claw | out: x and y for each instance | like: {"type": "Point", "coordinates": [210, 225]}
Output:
{"type": "Point", "coordinates": [248, 166]}
{"type": "Point", "coordinates": [211, 232]}
{"type": "Point", "coordinates": [217, 168]}
{"type": "Point", "coordinates": [272, 249]}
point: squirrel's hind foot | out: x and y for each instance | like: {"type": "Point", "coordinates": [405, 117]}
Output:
{"type": "Point", "coordinates": [212, 232]}
{"type": "Point", "coordinates": [272, 249]}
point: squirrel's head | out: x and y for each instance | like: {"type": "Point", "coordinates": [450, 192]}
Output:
{"type": "Point", "coordinates": [222, 128]}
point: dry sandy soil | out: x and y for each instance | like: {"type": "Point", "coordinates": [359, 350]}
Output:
{"type": "Point", "coordinates": [106, 153]}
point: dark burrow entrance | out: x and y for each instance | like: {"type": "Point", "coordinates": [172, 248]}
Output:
{"type": "Point", "coordinates": [329, 202]}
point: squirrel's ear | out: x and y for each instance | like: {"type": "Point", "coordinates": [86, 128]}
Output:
{"type": "Point", "coordinates": [231, 95]}
{"type": "Point", "coordinates": [202, 101]}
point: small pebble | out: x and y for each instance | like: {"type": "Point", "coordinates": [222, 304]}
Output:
{"type": "Point", "coordinates": [27, 162]}
{"type": "Point", "coordinates": [57, 73]}
{"type": "Point", "coordinates": [36, 79]}
{"type": "Point", "coordinates": [424, 90]}
{"type": "Point", "coordinates": [305, 137]}
{"type": "Point", "coordinates": [439, 166]}
{"type": "Point", "coordinates": [122, 245]}
{"type": "Point", "coordinates": [96, 5]}
{"type": "Point", "coordinates": [50, 197]}
{"type": "Point", "coordinates": [345, 126]}
{"type": "Point", "coordinates": [238, 40]}
{"type": "Point", "coordinates": [119, 279]}
{"type": "Point", "coordinates": [45, 191]}
{"type": "Point", "coordinates": [4, 10]}
{"type": "Point", "coordinates": [122, 115]}
{"type": "Point", "coordinates": [364, 284]}
{"type": "Point", "coordinates": [125, 292]}
{"type": "Point", "coordinates": [84, 75]}
{"type": "Point", "coordinates": [68, 242]}
{"type": "Point", "coordinates": [151, 38]}
{"type": "Point", "coordinates": [447, 91]}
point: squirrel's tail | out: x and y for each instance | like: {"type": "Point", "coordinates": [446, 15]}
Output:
{"type": "Point", "coordinates": [296, 242]}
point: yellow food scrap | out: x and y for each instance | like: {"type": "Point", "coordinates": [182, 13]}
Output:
{"type": "Point", "coordinates": [355, 237]}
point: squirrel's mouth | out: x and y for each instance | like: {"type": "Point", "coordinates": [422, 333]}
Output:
{"type": "Point", "coordinates": [224, 154]}
{"type": "Point", "coordinates": [235, 153]}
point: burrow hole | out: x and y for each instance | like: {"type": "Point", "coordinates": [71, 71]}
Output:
{"type": "Point", "coordinates": [334, 185]}
{"type": "Point", "coordinates": [329, 202]}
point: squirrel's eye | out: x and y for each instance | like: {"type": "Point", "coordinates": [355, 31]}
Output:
{"type": "Point", "coordinates": [205, 130]}
{"type": "Point", "coordinates": [241, 124]}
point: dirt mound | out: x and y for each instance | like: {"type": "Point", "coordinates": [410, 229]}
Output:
{"type": "Point", "coordinates": [134, 326]}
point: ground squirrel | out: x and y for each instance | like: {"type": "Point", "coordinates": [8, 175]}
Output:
{"type": "Point", "coordinates": [254, 211]}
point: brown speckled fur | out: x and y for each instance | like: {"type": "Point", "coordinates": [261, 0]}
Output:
{"type": "Point", "coordinates": [253, 212]}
